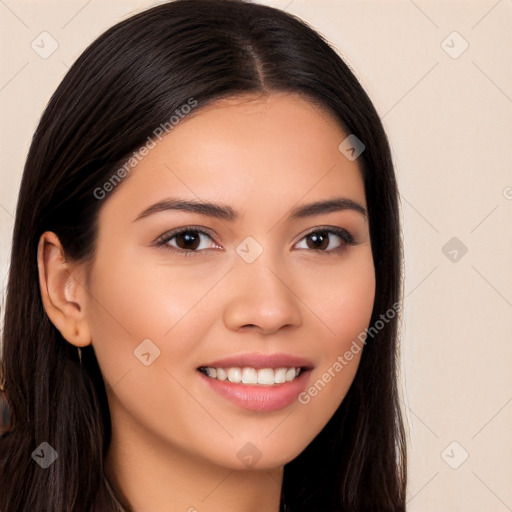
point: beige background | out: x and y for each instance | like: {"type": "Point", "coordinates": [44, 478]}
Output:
{"type": "Point", "coordinates": [448, 116]}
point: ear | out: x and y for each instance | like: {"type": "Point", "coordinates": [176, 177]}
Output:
{"type": "Point", "coordinates": [63, 295]}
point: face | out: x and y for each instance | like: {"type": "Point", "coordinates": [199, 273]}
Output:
{"type": "Point", "coordinates": [186, 300]}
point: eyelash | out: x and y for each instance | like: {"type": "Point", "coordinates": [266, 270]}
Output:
{"type": "Point", "coordinates": [163, 240]}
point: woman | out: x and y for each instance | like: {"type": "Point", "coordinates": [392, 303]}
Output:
{"type": "Point", "coordinates": [205, 276]}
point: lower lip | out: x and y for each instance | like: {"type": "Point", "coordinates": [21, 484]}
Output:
{"type": "Point", "coordinates": [259, 398]}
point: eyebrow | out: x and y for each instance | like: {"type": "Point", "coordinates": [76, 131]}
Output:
{"type": "Point", "coordinates": [225, 212]}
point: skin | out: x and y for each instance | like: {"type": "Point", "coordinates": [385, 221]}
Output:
{"type": "Point", "coordinates": [175, 441]}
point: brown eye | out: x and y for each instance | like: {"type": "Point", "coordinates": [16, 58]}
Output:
{"type": "Point", "coordinates": [327, 240]}
{"type": "Point", "coordinates": [186, 240]}
{"type": "Point", "coordinates": [319, 240]}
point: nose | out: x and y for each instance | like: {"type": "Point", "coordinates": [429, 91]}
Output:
{"type": "Point", "coordinates": [261, 298]}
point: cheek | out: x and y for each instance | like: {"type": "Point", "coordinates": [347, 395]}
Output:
{"type": "Point", "coordinates": [145, 298]}
{"type": "Point", "coordinates": [147, 301]}
{"type": "Point", "coordinates": [343, 300]}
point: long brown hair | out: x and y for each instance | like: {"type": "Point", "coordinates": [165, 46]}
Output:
{"type": "Point", "coordinates": [126, 83]}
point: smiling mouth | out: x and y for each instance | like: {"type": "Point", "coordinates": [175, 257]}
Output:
{"type": "Point", "coordinates": [253, 376]}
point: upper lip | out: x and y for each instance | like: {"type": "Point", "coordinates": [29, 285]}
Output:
{"type": "Point", "coordinates": [255, 360]}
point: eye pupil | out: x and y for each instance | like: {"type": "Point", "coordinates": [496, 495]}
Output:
{"type": "Point", "coordinates": [320, 239]}
{"type": "Point", "coordinates": [190, 238]}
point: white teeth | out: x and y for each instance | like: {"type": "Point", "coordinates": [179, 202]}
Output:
{"type": "Point", "coordinates": [249, 376]}
{"type": "Point", "coordinates": [280, 375]}
{"type": "Point", "coordinates": [235, 375]}
{"type": "Point", "coordinates": [290, 374]}
{"type": "Point", "coordinates": [252, 376]}
{"type": "Point", "coordinates": [266, 376]}
{"type": "Point", "coordinates": [212, 372]}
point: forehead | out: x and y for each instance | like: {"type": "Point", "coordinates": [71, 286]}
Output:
{"type": "Point", "coordinates": [247, 151]}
